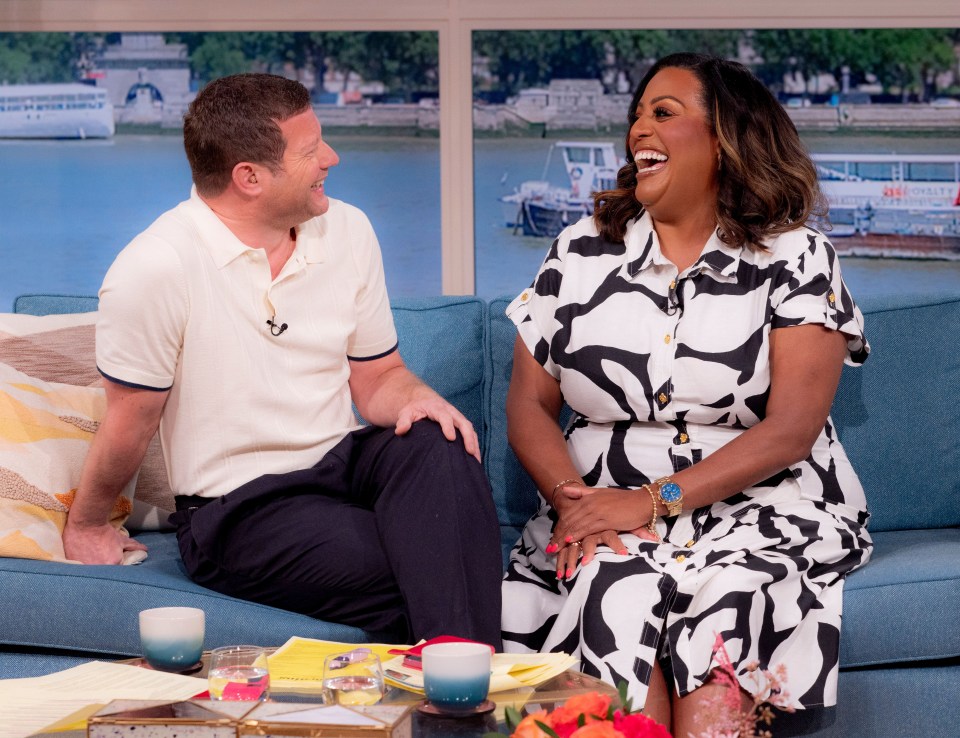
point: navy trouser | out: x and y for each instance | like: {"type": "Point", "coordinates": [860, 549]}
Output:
{"type": "Point", "coordinates": [397, 535]}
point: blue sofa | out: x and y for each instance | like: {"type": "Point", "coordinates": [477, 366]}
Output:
{"type": "Point", "coordinates": [899, 419]}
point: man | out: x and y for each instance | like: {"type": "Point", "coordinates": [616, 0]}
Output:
{"type": "Point", "coordinates": [243, 323]}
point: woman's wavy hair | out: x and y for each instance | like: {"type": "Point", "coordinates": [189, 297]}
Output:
{"type": "Point", "coordinates": [767, 182]}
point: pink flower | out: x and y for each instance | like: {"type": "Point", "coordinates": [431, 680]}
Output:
{"type": "Point", "coordinates": [636, 725]}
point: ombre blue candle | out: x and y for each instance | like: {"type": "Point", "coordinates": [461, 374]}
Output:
{"type": "Point", "coordinates": [172, 637]}
{"type": "Point", "coordinates": [456, 676]}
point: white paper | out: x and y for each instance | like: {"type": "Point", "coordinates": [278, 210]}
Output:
{"type": "Point", "coordinates": [31, 704]}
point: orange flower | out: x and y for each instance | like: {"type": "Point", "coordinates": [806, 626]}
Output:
{"type": "Point", "coordinates": [593, 706]}
{"type": "Point", "coordinates": [528, 727]}
{"type": "Point", "coordinates": [598, 729]}
{"type": "Point", "coordinates": [591, 703]}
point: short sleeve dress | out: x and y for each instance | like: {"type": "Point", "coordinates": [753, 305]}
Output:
{"type": "Point", "coordinates": [661, 369]}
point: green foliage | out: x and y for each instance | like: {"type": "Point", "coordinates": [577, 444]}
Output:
{"type": "Point", "coordinates": [405, 61]}
{"type": "Point", "coordinates": [548, 730]}
{"type": "Point", "coordinates": [903, 60]}
{"type": "Point", "coordinates": [625, 701]}
{"type": "Point", "coordinates": [27, 58]}
{"type": "Point", "coordinates": [529, 58]}
{"type": "Point", "coordinates": [904, 57]}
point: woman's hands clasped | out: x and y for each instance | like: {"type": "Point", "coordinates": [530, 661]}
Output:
{"type": "Point", "coordinates": [593, 516]}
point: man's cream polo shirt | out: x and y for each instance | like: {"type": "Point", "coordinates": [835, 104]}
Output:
{"type": "Point", "coordinates": [185, 307]}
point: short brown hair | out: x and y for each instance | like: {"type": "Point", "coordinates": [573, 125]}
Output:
{"type": "Point", "coordinates": [767, 181]}
{"type": "Point", "coordinates": [235, 119]}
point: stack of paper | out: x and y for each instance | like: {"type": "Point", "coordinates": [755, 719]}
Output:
{"type": "Point", "coordinates": [32, 704]}
{"type": "Point", "coordinates": [298, 664]}
{"type": "Point", "coordinates": [507, 671]}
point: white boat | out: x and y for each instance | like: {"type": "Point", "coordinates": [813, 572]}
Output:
{"type": "Point", "coordinates": [893, 204]}
{"type": "Point", "coordinates": [880, 204]}
{"type": "Point", "coordinates": [542, 209]}
{"type": "Point", "coordinates": [69, 110]}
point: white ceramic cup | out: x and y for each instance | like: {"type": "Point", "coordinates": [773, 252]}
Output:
{"type": "Point", "coordinates": [172, 637]}
{"type": "Point", "coordinates": [456, 676]}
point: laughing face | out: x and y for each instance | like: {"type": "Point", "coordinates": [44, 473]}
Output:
{"type": "Point", "coordinates": [296, 191]}
{"type": "Point", "coordinates": [673, 147]}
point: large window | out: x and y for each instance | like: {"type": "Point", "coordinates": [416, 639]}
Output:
{"type": "Point", "coordinates": [477, 251]}
{"type": "Point", "coordinates": [883, 104]}
{"type": "Point", "coordinates": [90, 138]}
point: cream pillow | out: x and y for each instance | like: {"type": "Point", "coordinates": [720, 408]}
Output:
{"type": "Point", "coordinates": [45, 433]}
{"type": "Point", "coordinates": [60, 348]}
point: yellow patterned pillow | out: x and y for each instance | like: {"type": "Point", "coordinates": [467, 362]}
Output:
{"type": "Point", "coordinates": [45, 432]}
{"type": "Point", "coordinates": [60, 348]}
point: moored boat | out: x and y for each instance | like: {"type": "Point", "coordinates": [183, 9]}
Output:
{"type": "Point", "coordinates": [883, 205]}
{"type": "Point", "coordinates": [69, 110]}
{"type": "Point", "coordinates": [541, 209]}
{"type": "Point", "coordinates": [899, 205]}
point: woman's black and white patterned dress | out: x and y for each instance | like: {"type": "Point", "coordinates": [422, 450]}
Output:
{"type": "Point", "coordinates": [661, 370]}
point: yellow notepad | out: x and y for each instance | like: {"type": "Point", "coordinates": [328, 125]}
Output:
{"type": "Point", "coordinates": [298, 664]}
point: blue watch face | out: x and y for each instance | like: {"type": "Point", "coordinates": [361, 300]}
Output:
{"type": "Point", "coordinates": [671, 492]}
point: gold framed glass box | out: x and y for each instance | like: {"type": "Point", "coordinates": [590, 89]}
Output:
{"type": "Point", "coordinates": [327, 721]}
{"type": "Point", "coordinates": [210, 719]}
{"type": "Point", "coordinates": [167, 719]}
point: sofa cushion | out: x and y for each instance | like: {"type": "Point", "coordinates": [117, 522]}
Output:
{"type": "Point", "coordinates": [94, 608]}
{"type": "Point", "coordinates": [54, 304]}
{"type": "Point", "coordinates": [513, 491]}
{"type": "Point", "coordinates": [60, 348]}
{"type": "Point", "coordinates": [442, 342]}
{"type": "Point", "coordinates": [903, 605]}
{"type": "Point", "coordinates": [45, 432]}
{"type": "Point", "coordinates": [54, 348]}
{"type": "Point", "coordinates": [898, 415]}
{"type": "Point", "coordinates": [898, 427]}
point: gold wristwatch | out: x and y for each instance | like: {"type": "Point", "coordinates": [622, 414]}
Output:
{"type": "Point", "coordinates": [671, 495]}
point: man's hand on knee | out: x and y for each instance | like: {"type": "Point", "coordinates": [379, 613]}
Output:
{"type": "Point", "coordinates": [446, 416]}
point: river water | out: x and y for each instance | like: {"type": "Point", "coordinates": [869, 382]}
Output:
{"type": "Point", "coordinates": [68, 207]}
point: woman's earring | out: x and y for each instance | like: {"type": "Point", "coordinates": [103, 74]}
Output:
{"type": "Point", "coordinates": [719, 160]}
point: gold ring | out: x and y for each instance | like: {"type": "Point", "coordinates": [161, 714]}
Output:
{"type": "Point", "coordinates": [577, 544]}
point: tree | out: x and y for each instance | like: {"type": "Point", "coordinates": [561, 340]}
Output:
{"type": "Point", "coordinates": [402, 60]}
{"type": "Point", "coordinates": [527, 58]}
{"type": "Point", "coordinates": [635, 51]}
{"type": "Point", "coordinates": [41, 57]}
{"type": "Point", "coordinates": [405, 61]}
{"type": "Point", "coordinates": [217, 54]}
{"type": "Point", "coordinates": [905, 58]}
{"type": "Point", "coordinates": [522, 59]}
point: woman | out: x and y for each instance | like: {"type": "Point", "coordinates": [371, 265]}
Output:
{"type": "Point", "coordinates": [697, 328]}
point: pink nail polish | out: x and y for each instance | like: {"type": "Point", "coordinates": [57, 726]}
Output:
{"type": "Point", "coordinates": [551, 547]}
{"type": "Point", "coordinates": [568, 539]}
{"type": "Point", "coordinates": [622, 552]}
{"type": "Point", "coordinates": [569, 573]}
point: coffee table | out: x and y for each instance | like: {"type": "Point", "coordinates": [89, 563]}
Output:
{"type": "Point", "coordinates": [546, 696]}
